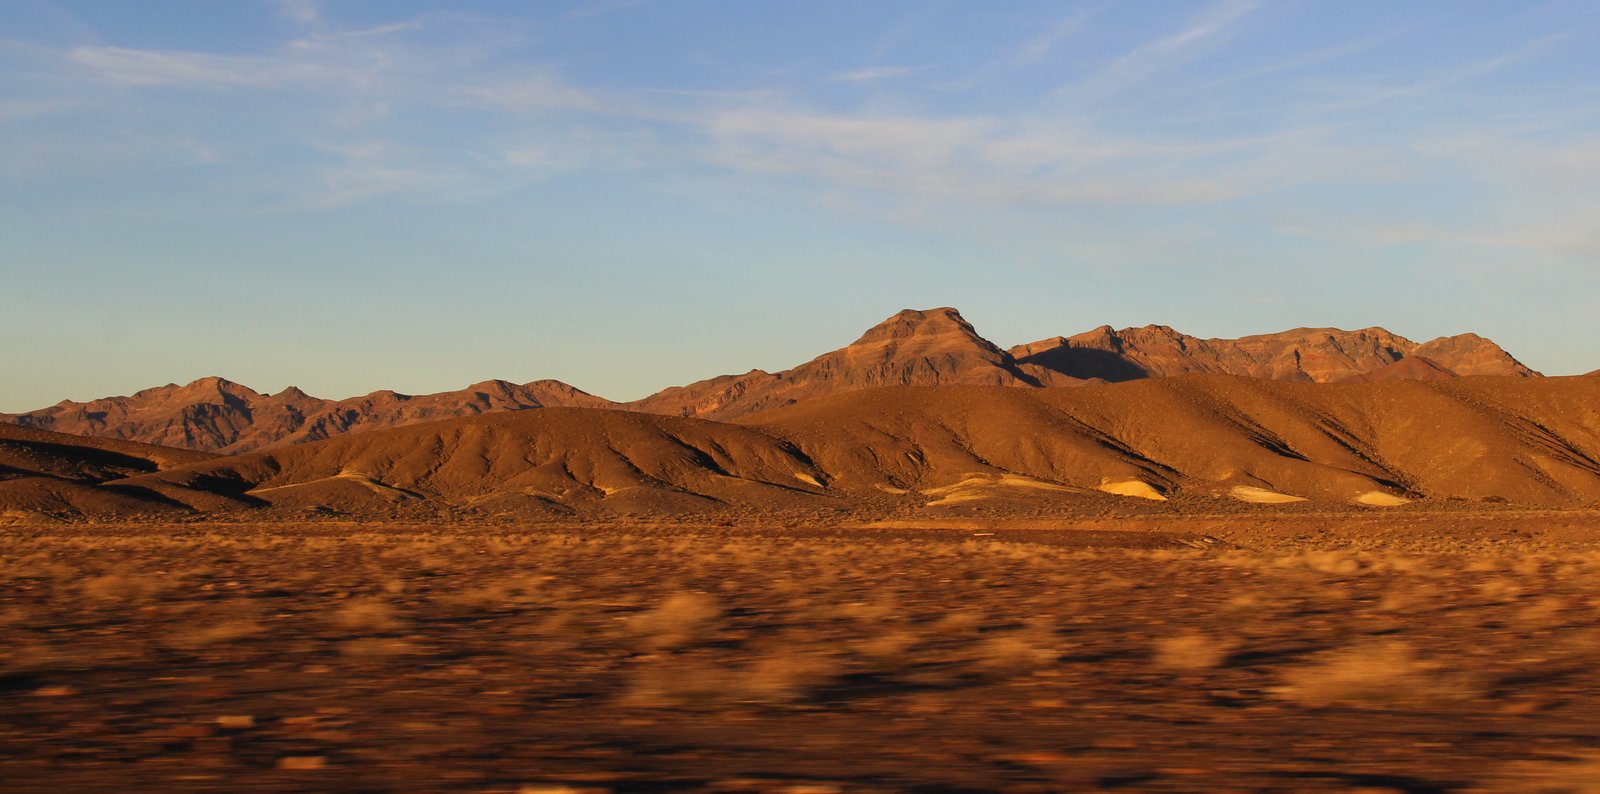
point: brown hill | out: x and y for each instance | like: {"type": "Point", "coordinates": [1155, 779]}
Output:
{"type": "Point", "coordinates": [910, 451]}
{"type": "Point", "coordinates": [60, 475]}
{"type": "Point", "coordinates": [214, 414]}
{"type": "Point", "coordinates": [1470, 354]}
{"type": "Point", "coordinates": [1526, 441]}
{"type": "Point", "coordinates": [553, 461]}
{"type": "Point", "coordinates": [1408, 368]}
{"type": "Point", "coordinates": [912, 348]}
{"type": "Point", "coordinates": [1322, 355]}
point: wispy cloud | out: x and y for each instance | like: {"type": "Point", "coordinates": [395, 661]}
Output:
{"type": "Point", "coordinates": [532, 93]}
{"type": "Point", "coordinates": [1313, 58]}
{"type": "Point", "coordinates": [1153, 57]}
{"type": "Point", "coordinates": [1029, 53]}
{"type": "Point", "coordinates": [872, 74]}
{"type": "Point", "coordinates": [19, 109]}
{"type": "Point", "coordinates": [321, 60]}
{"type": "Point", "coordinates": [1370, 94]}
{"type": "Point", "coordinates": [602, 7]}
{"type": "Point", "coordinates": [305, 12]}
{"type": "Point", "coordinates": [991, 162]}
{"type": "Point", "coordinates": [193, 69]}
{"type": "Point", "coordinates": [528, 120]}
{"type": "Point", "coordinates": [1039, 47]}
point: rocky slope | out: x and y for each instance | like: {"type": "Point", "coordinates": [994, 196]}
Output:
{"type": "Point", "coordinates": [1322, 355]}
{"type": "Point", "coordinates": [214, 414]}
{"type": "Point", "coordinates": [912, 348]}
{"type": "Point", "coordinates": [1198, 442]}
{"type": "Point", "coordinates": [44, 474]}
{"type": "Point", "coordinates": [936, 347]}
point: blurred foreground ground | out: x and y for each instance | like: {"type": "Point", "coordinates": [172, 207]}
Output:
{"type": "Point", "coordinates": [1449, 652]}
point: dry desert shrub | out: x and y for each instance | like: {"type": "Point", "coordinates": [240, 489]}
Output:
{"type": "Point", "coordinates": [229, 623]}
{"type": "Point", "coordinates": [887, 651]}
{"type": "Point", "coordinates": [374, 648]}
{"type": "Point", "coordinates": [13, 616]}
{"type": "Point", "coordinates": [1191, 650]}
{"type": "Point", "coordinates": [502, 594]}
{"type": "Point", "coordinates": [1500, 589]}
{"type": "Point", "coordinates": [25, 657]}
{"type": "Point", "coordinates": [958, 622]}
{"type": "Point", "coordinates": [1415, 566]}
{"type": "Point", "coordinates": [1334, 561]}
{"type": "Point", "coordinates": [873, 611]}
{"type": "Point", "coordinates": [785, 677]}
{"type": "Point", "coordinates": [1485, 565]}
{"type": "Point", "coordinates": [124, 588]}
{"type": "Point", "coordinates": [774, 677]}
{"type": "Point", "coordinates": [1246, 602]}
{"type": "Point", "coordinates": [1014, 653]}
{"type": "Point", "coordinates": [364, 614]}
{"type": "Point", "coordinates": [1576, 775]}
{"type": "Point", "coordinates": [1375, 675]}
{"type": "Point", "coordinates": [681, 619]}
{"type": "Point", "coordinates": [1542, 612]}
{"type": "Point", "coordinates": [1245, 560]}
{"type": "Point", "coordinates": [681, 683]}
{"type": "Point", "coordinates": [1529, 565]}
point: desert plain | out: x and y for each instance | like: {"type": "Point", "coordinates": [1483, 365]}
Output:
{"type": "Point", "coordinates": [1419, 651]}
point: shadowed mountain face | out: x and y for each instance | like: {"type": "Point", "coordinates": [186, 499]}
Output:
{"type": "Point", "coordinates": [936, 347]}
{"type": "Point", "coordinates": [1409, 368]}
{"type": "Point", "coordinates": [912, 348]}
{"type": "Point", "coordinates": [1322, 355]}
{"type": "Point", "coordinates": [44, 473]}
{"type": "Point", "coordinates": [912, 451]}
{"type": "Point", "coordinates": [214, 414]}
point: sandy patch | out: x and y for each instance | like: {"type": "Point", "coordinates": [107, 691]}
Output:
{"type": "Point", "coordinates": [364, 480]}
{"type": "Point", "coordinates": [808, 479]}
{"type": "Point", "coordinates": [1135, 488]}
{"type": "Point", "coordinates": [1381, 499]}
{"type": "Point", "coordinates": [982, 486]}
{"type": "Point", "coordinates": [1262, 496]}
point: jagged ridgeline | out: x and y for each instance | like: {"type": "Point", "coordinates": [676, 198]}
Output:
{"type": "Point", "coordinates": [1193, 442]}
{"type": "Point", "coordinates": [912, 348]}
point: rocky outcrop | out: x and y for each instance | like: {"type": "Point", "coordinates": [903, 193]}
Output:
{"type": "Point", "coordinates": [1321, 355]}
{"type": "Point", "coordinates": [935, 347]}
{"type": "Point", "coordinates": [912, 348]}
{"type": "Point", "coordinates": [1409, 368]}
{"type": "Point", "coordinates": [215, 414]}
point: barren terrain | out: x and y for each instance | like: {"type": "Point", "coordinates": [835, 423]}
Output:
{"type": "Point", "coordinates": [903, 566]}
{"type": "Point", "coordinates": [1272, 649]}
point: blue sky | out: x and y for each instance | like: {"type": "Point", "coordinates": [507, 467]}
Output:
{"type": "Point", "coordinates": [349, 196]}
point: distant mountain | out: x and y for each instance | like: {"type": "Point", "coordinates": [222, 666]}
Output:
{"type": "Point", "coordinates": [1321, 355]}
{"type": "Point", "coordinates": [214, 414]}
{"type": "Point", "coordinates": [936, 347]}
{"type": "Point", "coordinates": [912, 348]}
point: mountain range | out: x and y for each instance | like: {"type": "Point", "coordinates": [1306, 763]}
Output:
{"type": "Point", "coordinates": [911, 348]}
{"type": "Point", "coordinates": [1198, 444]}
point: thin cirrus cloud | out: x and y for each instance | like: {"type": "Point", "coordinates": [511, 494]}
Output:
{"type": "Point", "coordinates": [1100, 137]}
{"type": "Point", "coordinates": [872, 74]}
{"type": "Point", "coordinates": [198, 70]}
